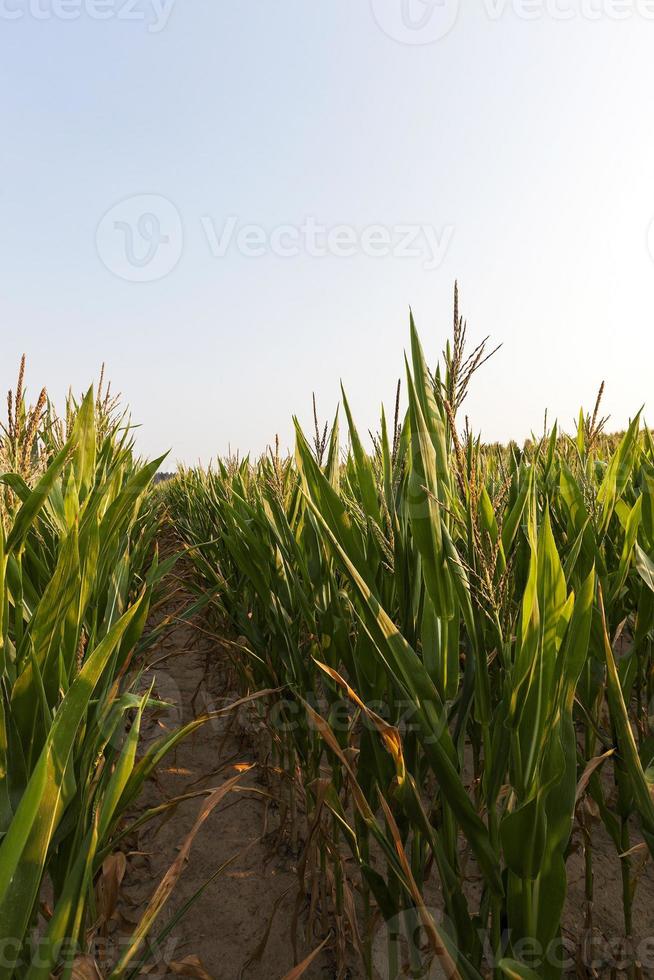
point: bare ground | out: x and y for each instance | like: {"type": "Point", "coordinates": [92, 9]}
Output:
{"type": "Point", "coordinates": [227, 924]}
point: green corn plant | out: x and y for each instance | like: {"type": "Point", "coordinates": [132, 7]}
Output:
{"type": "Point", "coordinates": [78, 571]}
{"type": "Point", "coordinates": [459, 636]}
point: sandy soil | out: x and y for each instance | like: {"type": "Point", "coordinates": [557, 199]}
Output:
{"type": "Point", "coordinates": [229, 921]}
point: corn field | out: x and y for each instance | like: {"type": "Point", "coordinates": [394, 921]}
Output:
{"type": "Point", "coordinates": [443, 649]}
{"type": "Point", "coordinates": [459, 637]}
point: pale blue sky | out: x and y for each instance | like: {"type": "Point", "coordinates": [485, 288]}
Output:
{"type": "Point", "coordinates": [527, 147]}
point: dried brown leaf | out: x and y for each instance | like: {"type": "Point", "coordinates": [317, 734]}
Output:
{"type": "Point", "coordinates": [190, 966]}
{"type": "Point", "coordinates": [85, 968]}
{"type": "Point", "coordinates": [302, 967]}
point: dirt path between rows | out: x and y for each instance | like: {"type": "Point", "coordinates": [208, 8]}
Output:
{"type": "Point", "coordinates": [228, 922]}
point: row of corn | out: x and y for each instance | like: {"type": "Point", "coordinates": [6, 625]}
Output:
{"type": "Point", "coordinates": [460, 636]}
{"type": "Point", "coordinates": [78, 573]}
